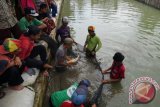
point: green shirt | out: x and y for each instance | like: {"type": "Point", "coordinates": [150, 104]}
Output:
{"type": "Point", "coordinates": [23, 23]}
{"type": "Point", "coordinates": [93, 43]}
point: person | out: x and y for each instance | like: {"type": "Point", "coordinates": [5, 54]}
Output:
{"type": "Point", "coordinates": [29, 51]}
{"type": "Point", "coordinates": [10, 64]}
{"type": "Point", "coordinates": [53, 7]}
{"type": "Point", "coordinates": [92, 43]}
{"type": "Point", "coordinates": [117, 70]}
{"type": "Point", "coordinates": [8, 23]}
{"type": "Point", "coordinates": [63, 32]}
{"type": "Point", "coordinates": [46, 18]}
{"type": "Point", "coordinates": [65, 98]}
{"type": "Point", "coordinates": [30, 19]}
{"type": "Point", "coordinates": [61, 59]}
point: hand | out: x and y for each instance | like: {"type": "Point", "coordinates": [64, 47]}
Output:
{"type": "Point", "coordinates": [105, 81]}
{"type": "Point", "coordinates": [46, 74]}
{"type": "Point", "coordinates": [17, 61]}
{"type": "Point", "coordinates": [103, 72]}
{"type": "Point", "coordinates": [11, 64]}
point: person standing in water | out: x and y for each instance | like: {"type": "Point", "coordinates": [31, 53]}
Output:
{"type": "Point", "coordinates": [117, 70]}
{"type": "Point", "coordinates": [92, 43]}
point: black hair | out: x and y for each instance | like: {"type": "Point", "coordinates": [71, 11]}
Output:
{"type": "Point", "coordinates": [119, 57]}
{"type": "Point", "coordinates": [32, 30]}
{"type": "Point", "coordinates": [43, 5]}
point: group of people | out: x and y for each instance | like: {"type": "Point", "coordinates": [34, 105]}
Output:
{"type": "Point", "coordinates": [19, 47]}
{"type": "Point", "coordinates": [19, 40]}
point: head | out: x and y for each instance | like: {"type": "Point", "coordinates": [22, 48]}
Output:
{"type": "Point", "coordinates": [118, 57]}
{"type": "Point", "coordinates": [79, 97]}
{"type": "Point", "coordinates": [30, 13]}
{"type": "Point", "coordinates": [10, 46]}
{"type": "Point", "coordinates": [85, 82]}
{"type": "Point", "coordinates": [33, 32]}
{"type": "Point", "coordinates": [68, 42]}
{"type": "Point", "coordinates": [91, 30]}
{"type": "Point", "coordinates": [43, 8]}
{"type": "Point", "coordinates": [65, 21]}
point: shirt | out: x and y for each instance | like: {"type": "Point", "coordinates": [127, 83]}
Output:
{"type": "Point", "coordinates": [7, 20]}
{"type": "Point", "coordinates": [117, 72]}
{"type": "Point", "coordinates": [60, 56]}
{"type": "Point", "coordinates": [62, 33]}
{"type": "Point", "coordinates": [93, 43]}
{"type": "Point", "coordinates": [26, 47]}
{"type": "Point", "coordinates": [23, 23]}
{"type": "Point", "coordinates": [68, 103]}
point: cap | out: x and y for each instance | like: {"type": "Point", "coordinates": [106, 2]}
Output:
{"type": "Point", "coordinates": [9, 45]}
{"type": "Point", "coordinates": [30, 11]}
{"type": "Point", "coordinates": [118, 57]}
{"type": "Point", "coordinates": [91, 28]}
{"type": "Point", "coordinates": [85, 82]}
{"type": "Point", "coordinates": [68, 41]}
{"type": "Point", "coordinates": [65, 19]}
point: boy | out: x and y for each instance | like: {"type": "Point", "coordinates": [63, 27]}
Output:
{"type": "Point", "coordinates": [117, 69]}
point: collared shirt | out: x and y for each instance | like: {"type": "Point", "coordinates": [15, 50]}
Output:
{"type": "Point", "coordinates": [7, 20]}
{"type": "Point", "coordinates": [93, 43]}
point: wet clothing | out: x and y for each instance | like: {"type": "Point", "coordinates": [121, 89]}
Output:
{"type": "Point", "coordinates": [60, 58]}
{"type": "Point", "coordinates": [23, 23]}
{"type": "Point", "coordinates": [93, 43]}
{"type": "Point", "coordinates": [62, 33]}
{"type": "Point", "coordinates": [57, 98]}
{"type": "Point", "coordinates": [68, 103]}
{"type": "Point", "coordinates": [117, 72]}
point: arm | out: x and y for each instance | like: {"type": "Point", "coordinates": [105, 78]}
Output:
{"type": "Point", "coordinates": [40, 24]}
{"type": "Point", "coordinates": [84, 48]}
{"type": "Point", "coordinates": [106, 71]}
{"type": "Point", "coordinates": [99, 45]}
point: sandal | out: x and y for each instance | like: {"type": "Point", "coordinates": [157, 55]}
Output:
{"type": "Point", "coordinates": [2, 94]}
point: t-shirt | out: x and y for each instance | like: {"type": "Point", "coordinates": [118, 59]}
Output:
{"type": "Point", "coordinates": [68, 103]}
{"type": "Point", "coordinates": [23, 23]}
{"type": "Point", "coordinates": [117, 72]}
{"type": "Point", "coordinates": [62, 33]}
{"type": "Point", "coordinates": [60, 56]}
{"type": "Point", "coordinates": [93, 43]}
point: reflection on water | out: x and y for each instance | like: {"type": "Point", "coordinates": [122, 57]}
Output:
{"type": "Point", "coordinates": [123, 25]}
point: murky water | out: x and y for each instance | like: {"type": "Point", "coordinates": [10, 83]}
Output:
{"type": "Point", "coordinates": [122, 25]}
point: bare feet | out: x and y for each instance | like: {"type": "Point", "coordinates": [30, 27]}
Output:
{"type": "Point", "coordinates": [17, 87]}
{"type": "Point", "coordinates": [47, 66]}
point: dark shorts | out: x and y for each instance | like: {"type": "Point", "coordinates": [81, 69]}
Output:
{"type": "Point", "coordinates": [89, 54]}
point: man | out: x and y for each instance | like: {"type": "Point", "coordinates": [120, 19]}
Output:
{"type": "Point", "coordinates": [10, 64]}
{"type": "Point", "coordinates": [93, 43]}
{"type": "Point", "coordinates": [62, 60]}
{"type": "Point", "coordinates": [63, 32]}
{"type": "Point", "coordinates": [29, 19]}
{"type": "Point", "coordinates": [117, 70]}
{"type": "Point", "coordinates": [8, 23]}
